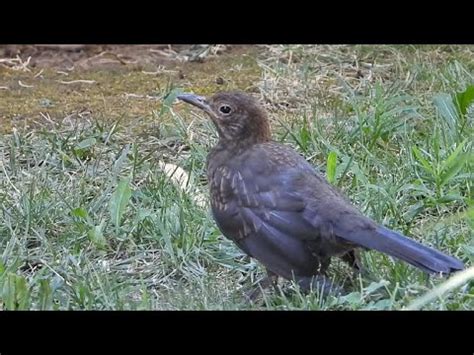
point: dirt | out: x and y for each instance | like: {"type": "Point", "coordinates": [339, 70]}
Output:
{"type": "Point", "coordinates": [71, 57]}
{"type": "Point", "coordinates": [44, 83]}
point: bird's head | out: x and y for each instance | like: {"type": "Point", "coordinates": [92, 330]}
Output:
{"type": "Point", "coordinates": [237, 116]}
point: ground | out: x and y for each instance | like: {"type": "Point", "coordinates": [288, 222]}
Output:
{"type": "Point", "coordinates": [102, 183]}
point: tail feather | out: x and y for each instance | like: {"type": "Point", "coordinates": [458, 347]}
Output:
{"type": "Point", "coordinates": [414, 253]}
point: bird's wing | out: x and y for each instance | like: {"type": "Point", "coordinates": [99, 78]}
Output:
{"type": "Point", "coordinates": [266, 221]}
{"type": "Point", "coordinates": [272, 205]}
{"type": "Point", "coordinates": [260, 194]}
{"type": "Point", "coordinates": [283, 193]}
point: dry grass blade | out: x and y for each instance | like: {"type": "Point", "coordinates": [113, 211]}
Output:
{"type": "Point", "coordinates": [451, 284]}
{"type": "Point", "coordinates": [16, 63]}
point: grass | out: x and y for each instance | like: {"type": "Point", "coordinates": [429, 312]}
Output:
{"type": "Point", "coordinates": [97, 213]}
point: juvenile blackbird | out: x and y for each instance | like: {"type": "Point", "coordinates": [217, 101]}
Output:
{"type": "Point", "coordinates": [271, 202]}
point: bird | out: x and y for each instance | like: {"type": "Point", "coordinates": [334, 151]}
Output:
{"type": "Point", "coordinates": [278, 209]}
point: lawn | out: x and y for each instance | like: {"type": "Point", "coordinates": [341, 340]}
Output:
{"type": "Point", "coordinates": [103, 193]}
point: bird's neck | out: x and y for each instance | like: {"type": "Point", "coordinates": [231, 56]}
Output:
{"type": "Point", "coordinates": [257, 133]}
{"type": "Point", "coordinates": [242, 142]}
{"type": "Point", "coordinates": [227, 151]}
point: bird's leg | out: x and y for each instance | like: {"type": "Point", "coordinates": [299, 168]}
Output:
{"type": "Point", "coordinates": [321, 283]}
{"type": "Point", "coordinates": [272, 278]}
{"type": "Point", "coordinates": [269, 280]}
{"type": "Point", "coordinates": [353, 259]}
{"type": "Point", "coordinates": [324, 265]}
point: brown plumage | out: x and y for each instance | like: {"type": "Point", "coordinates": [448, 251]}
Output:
{"type": "Point", "coordinates": [278, 209]}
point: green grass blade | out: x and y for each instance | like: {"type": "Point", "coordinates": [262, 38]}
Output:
{"type": "Point", "coordinates": [45, 295]}
{"type": "Point", "coordinates": [465, 99]}
{"type": "Point", "coordinates": [331, 167]}
{"type": "Point", "coordinates": [453, 156]}
{"type": "Point", "coordinates": [169, 100]}
{"type": "Point", "coordinates": [453, 164]}
{"type": "Point", "coordinates": [424, 163]}
{"type": "Point", "coordinates": [16, 293]}
{"type": "Point", "coordinates": [454, 168]}
{"type": "Point", "coordinates": [447, 110]}
{"type": "Point", "coordinates": [119, 201]}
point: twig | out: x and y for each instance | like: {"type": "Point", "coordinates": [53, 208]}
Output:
{"type": "Point", "coordinates": [47, 117]}
{"type": "Point", "coordinates": [24, 85]}
{"type": "Point", "coordinates": [76, 82]}
{"type": "Point", "coordinates": [160, 69]}
{"type": "Point", "coordinates": [137, 96]}
{"type": "Point", "coordinates": [39, 73]}
{"type": "Point", "coordinates": [22, 65]}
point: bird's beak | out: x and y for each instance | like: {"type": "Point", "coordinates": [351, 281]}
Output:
{"type": "Point", "coordinates": [198, 101]}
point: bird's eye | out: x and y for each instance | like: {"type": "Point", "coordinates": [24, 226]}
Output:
{"type": "Point", "coordinates": [225, 109]}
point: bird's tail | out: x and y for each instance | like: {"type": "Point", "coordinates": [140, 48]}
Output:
{"type": "Point", "coordinates": [414, 253]}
